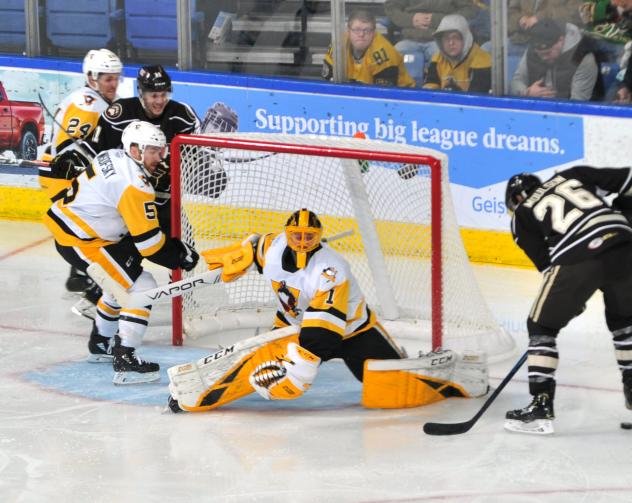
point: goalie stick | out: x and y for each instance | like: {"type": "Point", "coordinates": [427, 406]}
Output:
{"type": "Point", "coordinates": [458, 428]}
{"type": "Point", "coordinates": [165, 292]}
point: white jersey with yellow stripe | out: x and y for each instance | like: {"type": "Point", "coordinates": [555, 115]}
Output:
{"type": "Point", "coordinates": [323, 295]}
{"type": "Point", "coordinates": [110, 199]}
{"type": "Point", "coordinates": [77, 115]}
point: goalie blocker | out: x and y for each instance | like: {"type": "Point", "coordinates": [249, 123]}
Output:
{"type": "Point", "coordinates": [278, 368]}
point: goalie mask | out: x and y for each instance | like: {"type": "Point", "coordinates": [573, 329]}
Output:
{"type": "Point", "coordinates": [519, 188]}
{"type": "Point", "coordinates": [303, 231]}
{"type": "Point", "coordinates": [143, 134]}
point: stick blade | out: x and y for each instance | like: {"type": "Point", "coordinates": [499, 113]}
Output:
{"type": "Point", "coordinates": [447, 428]}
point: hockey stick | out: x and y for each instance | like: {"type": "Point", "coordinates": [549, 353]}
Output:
{"type": "Point", "coordinates": [155, 295]}
{"type": "Point", "coordinates": [457, 428]}
{"type": "Point", "coordinates": [168, 291]}
{"type": "Point", "coordinates": [338, 236]}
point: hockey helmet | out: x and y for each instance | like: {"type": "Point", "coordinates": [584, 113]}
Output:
{"type": "Point", "coordinates": [142, 134]}
{"type": "Point", "coordinates": [519, 187]}
{"type": "Point", "coordinates": [303, 231]}
{"type": "Point", "coordinates": [220, 118]}
{"type": "Point", "coordinates": [99, 61]}
{"type": "Point", "coordinates": [153, 78]}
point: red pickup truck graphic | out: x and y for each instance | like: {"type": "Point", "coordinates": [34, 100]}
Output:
{"type": "Point", "coordinates": [21, 126]}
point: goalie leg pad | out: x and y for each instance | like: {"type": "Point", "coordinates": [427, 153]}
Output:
{"type": "Point", "coordinates": [224, 376]}
{"type": "Point", "coordinates": [412, 382]}
{"type": "Point", "coordinates": [235, 259]}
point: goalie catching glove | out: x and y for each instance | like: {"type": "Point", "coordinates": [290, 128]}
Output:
{"type": "Point", "coordinates": [286, 378]}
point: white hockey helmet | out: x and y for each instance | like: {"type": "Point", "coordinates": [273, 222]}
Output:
{"type": "Point", "coordinates": [143, 134]}
{"type": "Point", "coordinates": [99, 61]}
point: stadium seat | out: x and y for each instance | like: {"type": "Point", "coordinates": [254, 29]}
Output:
{"type": "Point", "coordinates": [12, 25]}
{"type": "Point", "coordinates": [82, 24]}
{"type": "Point", "coordinates": [152, 25]}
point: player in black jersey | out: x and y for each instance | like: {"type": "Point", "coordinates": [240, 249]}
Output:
{"type": "Point", "coordinates": [581, 244]}
{"type": "Point", "coordinates": [154, 105]}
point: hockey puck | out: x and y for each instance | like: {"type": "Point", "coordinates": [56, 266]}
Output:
{"type": "Point", "coordinates": [626, 426]}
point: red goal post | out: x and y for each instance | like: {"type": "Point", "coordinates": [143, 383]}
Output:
{"type": "Point", "coordinates": [245, 167]}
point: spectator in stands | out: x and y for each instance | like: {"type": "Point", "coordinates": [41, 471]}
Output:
{"type": "Point", "coordinates": [610, 22]}
{"type": "Point", "coordinates": [460, 64]}
{"type": "Point", "coordinates": [418, 20]}
{"type": "Point", "coordinates": [370, 58]}
{"type": "Point", "coordinates": [559, 63]}
{"type": "Point", "coordinates": [523, 14]}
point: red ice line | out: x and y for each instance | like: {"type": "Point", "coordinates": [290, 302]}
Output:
{"type": "Point", "coordinates": [26, 247]}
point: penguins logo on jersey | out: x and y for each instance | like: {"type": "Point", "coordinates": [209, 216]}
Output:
{"type": "Point", "coordinates": [88, 99]}
{"type": "Point", "coordinates": [114, 111]}
{"type": "Point", "coordinates": [288, 297]}
{"type": "Point", "coordinates": [330, 274]}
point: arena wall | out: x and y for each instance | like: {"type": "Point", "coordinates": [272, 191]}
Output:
{"type": "Point", "coordinates": [487, 139]}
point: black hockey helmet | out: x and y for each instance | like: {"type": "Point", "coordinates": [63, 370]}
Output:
{"type": "Point", "coordinates": [153, 78]}
{"type": "Point", "coordinates": [519, 187]}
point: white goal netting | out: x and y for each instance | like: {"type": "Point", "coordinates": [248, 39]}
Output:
{"type": "Point", "coordinates": [232, 185]}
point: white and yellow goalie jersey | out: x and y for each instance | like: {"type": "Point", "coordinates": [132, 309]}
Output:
{"type": "Point", "coordinates": [109, 200]}
{"type": "Point", "coordinates": [77, 115]}
{"type": "Point", "coordinates": [322, 297]}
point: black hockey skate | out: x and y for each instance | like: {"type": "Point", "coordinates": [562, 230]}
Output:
{"type": "Point", "coordinates": [78, 281]}
{"type": "Point", "coordinates": [130, 369]}
{"type": "Point", "coordinates": [90, 292]}
{"type": "Point", "coordinates": [172, 405]}
{"type": "Point", "coordinates": [627, 389]}
{"type": "Point", "coordinates": [100, 347]}
{"type": "Point", "coordinates": [535, 418]}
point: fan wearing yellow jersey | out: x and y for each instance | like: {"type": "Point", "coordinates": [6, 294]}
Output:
{"type": "Point", "coordinates": [109, 216]}
{"type": "Point", "coordinates": [370, 58]}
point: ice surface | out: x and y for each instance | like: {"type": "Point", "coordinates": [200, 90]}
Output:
{"type": "Point", "coordinates": [68, 435]}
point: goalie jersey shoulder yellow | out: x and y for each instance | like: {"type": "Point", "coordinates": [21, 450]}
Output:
{"type": "Point", "coordinates": [110, 199]}
{"type": "Point", "coordinates": [322, 295]}
{"type": "Point", "coordinates": [78, 115]}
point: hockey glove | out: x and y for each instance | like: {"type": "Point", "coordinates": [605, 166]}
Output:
{"type": "Point", "coordinates": [188, 256]}
{"type": "Point", "coordinates": [161, 179]}
{"type": "Point", "coordinates": [69, 164]}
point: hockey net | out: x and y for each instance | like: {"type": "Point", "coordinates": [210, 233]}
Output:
{"type": "Point", "coordinates": [405, 251]}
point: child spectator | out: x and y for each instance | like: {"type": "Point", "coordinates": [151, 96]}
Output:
{"type": "Point", "coordinates": [460, 64]}
{"type": "Point", "coordinates": [418, 20]}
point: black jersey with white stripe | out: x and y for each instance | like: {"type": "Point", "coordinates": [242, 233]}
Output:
{"type": "Point", "coordinates": [177, 118]}
{"type": "Point", "coordinates": [567, 219]}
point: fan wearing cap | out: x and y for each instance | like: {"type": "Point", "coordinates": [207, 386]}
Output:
{"type": "Point", "coordinates": [559, 63]}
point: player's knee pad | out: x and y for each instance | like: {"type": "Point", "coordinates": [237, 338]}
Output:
{"type": "Point", "coordinates": [286, 378]}
{"type": "Point", "coordinates": [412, 382]}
